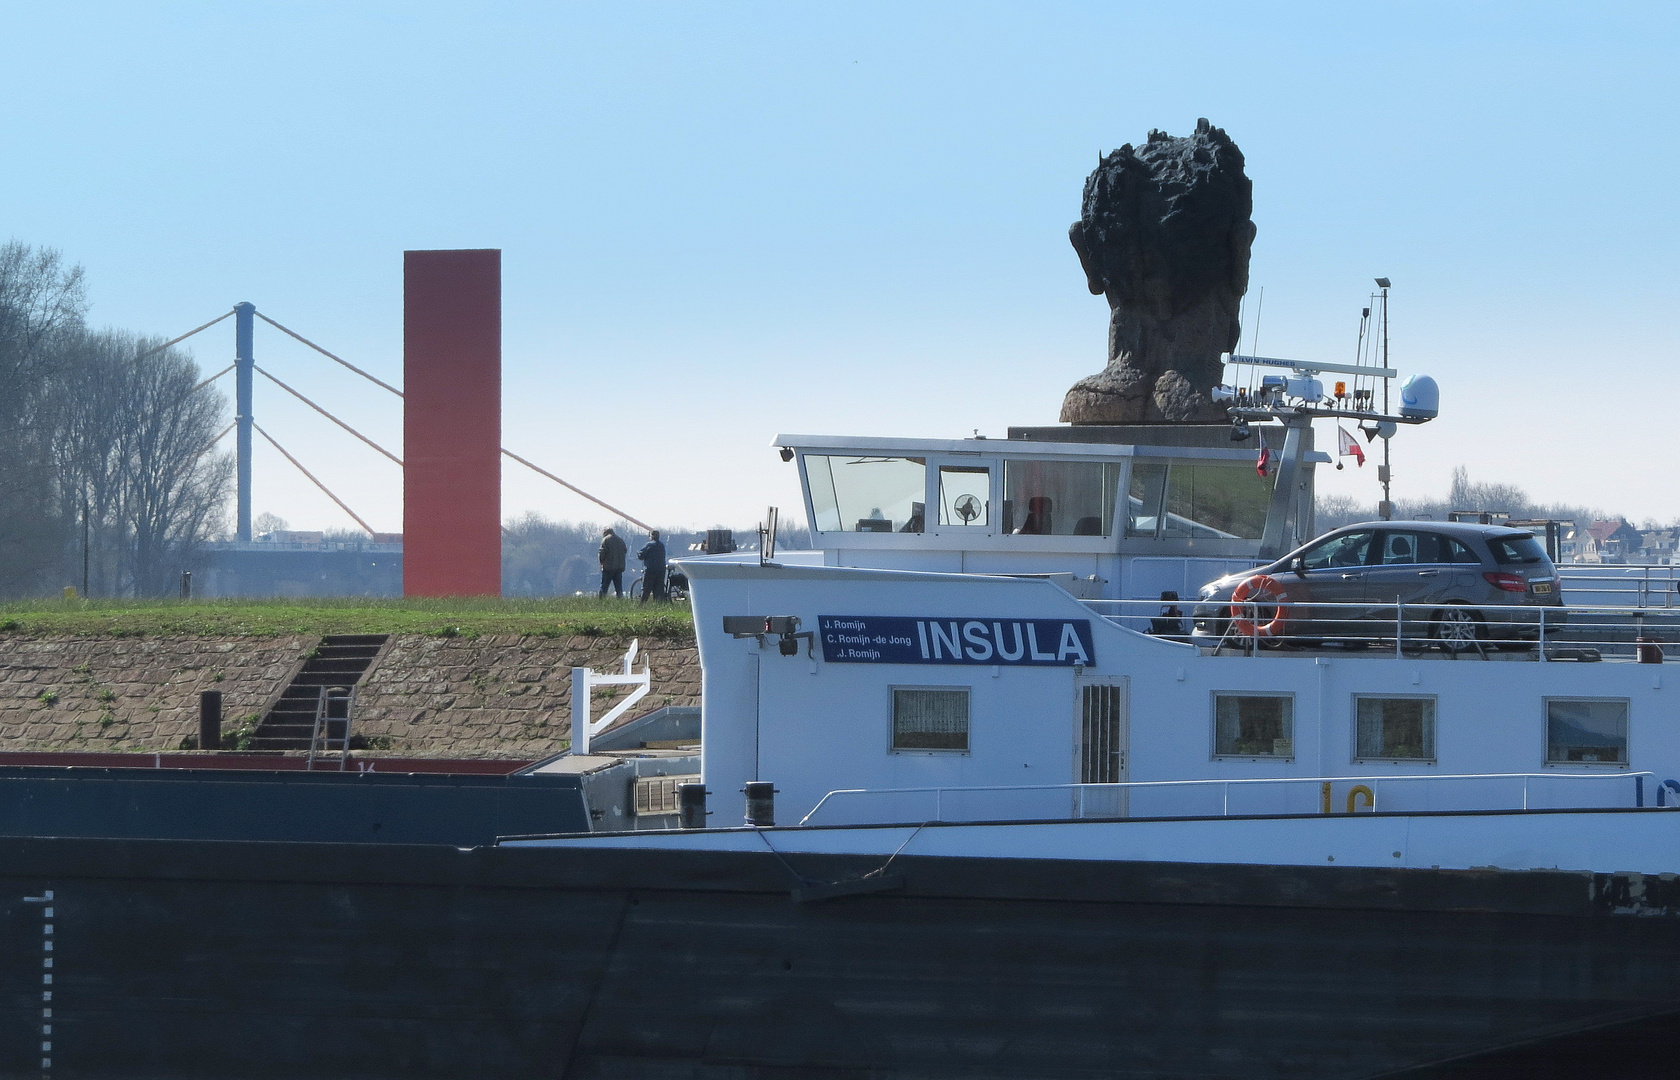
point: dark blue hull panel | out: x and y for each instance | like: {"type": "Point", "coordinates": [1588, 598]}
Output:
{"type": "Point", "coordinates": [188, 959]}
{"type": "Point", "coordinates": [307, 807]}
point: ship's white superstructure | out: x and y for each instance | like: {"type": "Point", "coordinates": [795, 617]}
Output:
{"type": "Point", "coordinates": [979, 641]}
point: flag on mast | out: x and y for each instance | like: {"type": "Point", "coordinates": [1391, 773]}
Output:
{"type": "Point", "coordinates": [1263, 464]}
{"type": "Point", "coordinates": [1349, 447]}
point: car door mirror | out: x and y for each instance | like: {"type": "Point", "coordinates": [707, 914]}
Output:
{"type": "Point", "coordinates": [1299, 565]}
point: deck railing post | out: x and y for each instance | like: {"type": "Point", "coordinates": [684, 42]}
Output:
{"type": "Point", "coordinates": [1399, 629]}
{"type": "Point", "coordinates": [1559, 587]}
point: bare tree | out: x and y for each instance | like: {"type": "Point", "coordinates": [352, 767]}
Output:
{"type": "Point", "coordinates": [174, 486]}
{"type": "Point", "coordinates": [133, 452]}
{"type": "Point", "coordinates": [40, 299]}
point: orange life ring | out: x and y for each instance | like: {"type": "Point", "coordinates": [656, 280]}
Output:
{"type": "Point", "coordinates": [1248, 597]}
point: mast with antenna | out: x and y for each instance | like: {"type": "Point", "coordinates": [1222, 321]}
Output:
{"type": "Point", "coordinates": [1296, 399]}
{"type": "Point", "coordinates": [1384, 472]}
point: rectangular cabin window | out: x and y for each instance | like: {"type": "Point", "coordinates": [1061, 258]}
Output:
{"type": "Point", "coordinates": [1254, 725]}
{"type": "Point", "coordinates": [1143, 501]}
{"type": "Point", "coordinates": [1586, 732]}
{"type": "Point", "coordinates": [1059, 498]}
{"type": "Point", "coordinates": [1216, 501]}
{"type": "Point", "coordinates": [965, 495]}
{"type": "Point", "coordinates": [867, 494]}
{"type": "Point", "coordinates": [1394, 728]}
{"type": "Point", "coordinates": [928, 718]}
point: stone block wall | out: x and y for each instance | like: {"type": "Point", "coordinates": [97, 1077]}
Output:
{"type": "Point", "coordinates": [115, 693]}
{"type": "Point", "coordinates": [503, 696]}
{"type": "Point", "coordinates": [491, 696]}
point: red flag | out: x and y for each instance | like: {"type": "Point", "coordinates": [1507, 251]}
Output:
{"type": "Point", "coordinates": [1264, 463]}
{"type": "Point", "coordinates": [1350, 447]}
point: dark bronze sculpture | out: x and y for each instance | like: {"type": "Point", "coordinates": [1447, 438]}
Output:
{"type": "Point", "coordinates": [1164, 233]}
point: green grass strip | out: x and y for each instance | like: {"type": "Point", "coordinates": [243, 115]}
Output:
{"type": "Point", "coordinates": [447, 617]}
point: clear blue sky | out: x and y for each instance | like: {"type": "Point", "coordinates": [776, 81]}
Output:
{"type": "Point", "coordinates": [721, 221]}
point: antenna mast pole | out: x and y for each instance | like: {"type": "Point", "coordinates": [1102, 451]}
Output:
{"type": "Point", "coordinates": [1385, 474]}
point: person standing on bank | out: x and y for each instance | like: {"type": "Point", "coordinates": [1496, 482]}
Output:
{"type": "Point", "coordinates": [653, 557]}
{"type": "Point", "coordinates": [611, 557]}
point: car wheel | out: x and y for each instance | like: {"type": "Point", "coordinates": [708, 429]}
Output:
{"type": "Point", "coordinates": [1456, 629]}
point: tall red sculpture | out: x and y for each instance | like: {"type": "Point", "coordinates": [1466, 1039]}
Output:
{"type": "Point", "coordinates": [452, 423]}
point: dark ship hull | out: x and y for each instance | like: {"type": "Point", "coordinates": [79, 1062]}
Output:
{"type": "Point", "coordinates": [174, 958]}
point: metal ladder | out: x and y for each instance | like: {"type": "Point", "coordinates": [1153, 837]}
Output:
{"type": "Point", "coordinates": [322, 742]}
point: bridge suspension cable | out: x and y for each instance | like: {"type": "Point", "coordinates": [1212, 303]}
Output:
{"type": "Point", "coordinates": [211, 379]}
{"type": "Point", "coordinates": [185, 336]}
{"type": "Point", "coordinates": [327, 414]}
{"type": "Point", "coordinates": [368, 528]}
{"type": "Point", "coordinates": [523, 461]}
{"type": "Point", "coordinates": [328, 355]}
{"type": "Point", "coordinates": [211, 445]}
{"type": "Point", "coordinates": [574, 488]}
{"type": "Point", "coordinates": [539, 470]}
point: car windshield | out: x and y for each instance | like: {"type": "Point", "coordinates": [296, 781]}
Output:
{"type": "Point", "coordinates": [1508, 550]}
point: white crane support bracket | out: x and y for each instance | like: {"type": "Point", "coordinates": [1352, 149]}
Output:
{"type": "Point", "coordinates": [584, 681]}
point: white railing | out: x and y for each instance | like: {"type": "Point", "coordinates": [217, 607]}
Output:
{"type": "Point", "coordinates": [1409, 792]}
{"type": "Point", "coordinates": [1515, 631]}
{"type": "Point", "coordinates": [1627, 586]}
{"type": "Point", "coordinates": [584, 680]}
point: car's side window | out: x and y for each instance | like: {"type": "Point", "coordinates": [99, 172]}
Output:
{"type": "Point", "coordinates": [1399, 548]}
{"type": "Point", "coordinates": [1460, 552]}
{"type": "Point", "coordinates": [1433, 548]}
{"type": "Point", "coordinates": [1349, 549]}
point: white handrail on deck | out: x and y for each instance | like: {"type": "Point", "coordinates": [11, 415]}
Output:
{"type": "Point", "coordinates": [1532, 627]}
{"type": "Point", "coordinates": [1372, 781]}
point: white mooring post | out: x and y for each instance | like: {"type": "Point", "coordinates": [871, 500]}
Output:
{"type": "Point", "coordinates": [584, 680]}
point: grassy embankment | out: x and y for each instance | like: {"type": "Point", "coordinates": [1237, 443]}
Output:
{"type": "Point", "coordinates": [451, 617]}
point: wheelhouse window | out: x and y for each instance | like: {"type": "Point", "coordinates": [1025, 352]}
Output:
{"type": "Point", "coordinates": [1143, 499]}
{"type": "Point", "coordinates": [1216, 501]}
{"type": "Point", "coordinates": [930, 718]}
{"type": "Point", "coordinates": [1254, 725]}
{"type": "Point", "coordinates": [1394, 728]}
{"type": "Point", "coordinates": [965, 495]}
{"type": "Point", "coordinates": [1581, 731]}
{"type": "Point", "coordinates": [867, 494]}
{"type": "Point", "coordinates": [1059, 498]}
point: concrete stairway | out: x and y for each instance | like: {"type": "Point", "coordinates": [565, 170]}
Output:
{"type": "Point", "coordinates": [340, 660]}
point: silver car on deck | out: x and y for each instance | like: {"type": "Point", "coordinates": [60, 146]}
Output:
{"type": "Point", "coordinates": [1463, 586]}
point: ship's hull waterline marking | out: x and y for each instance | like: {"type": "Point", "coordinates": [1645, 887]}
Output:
{"type": "Point", "coordinates": [46, 976]}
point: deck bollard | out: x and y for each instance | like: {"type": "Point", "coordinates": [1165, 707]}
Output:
{"type": "Point", "coordinates": [1649, 650]}
{"type": "Point", "coordinates": [210, 720]}
{"type": "Point", "coordinates": [691, 803]}
{"type": "Point", "coordinates": [761, 803]}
